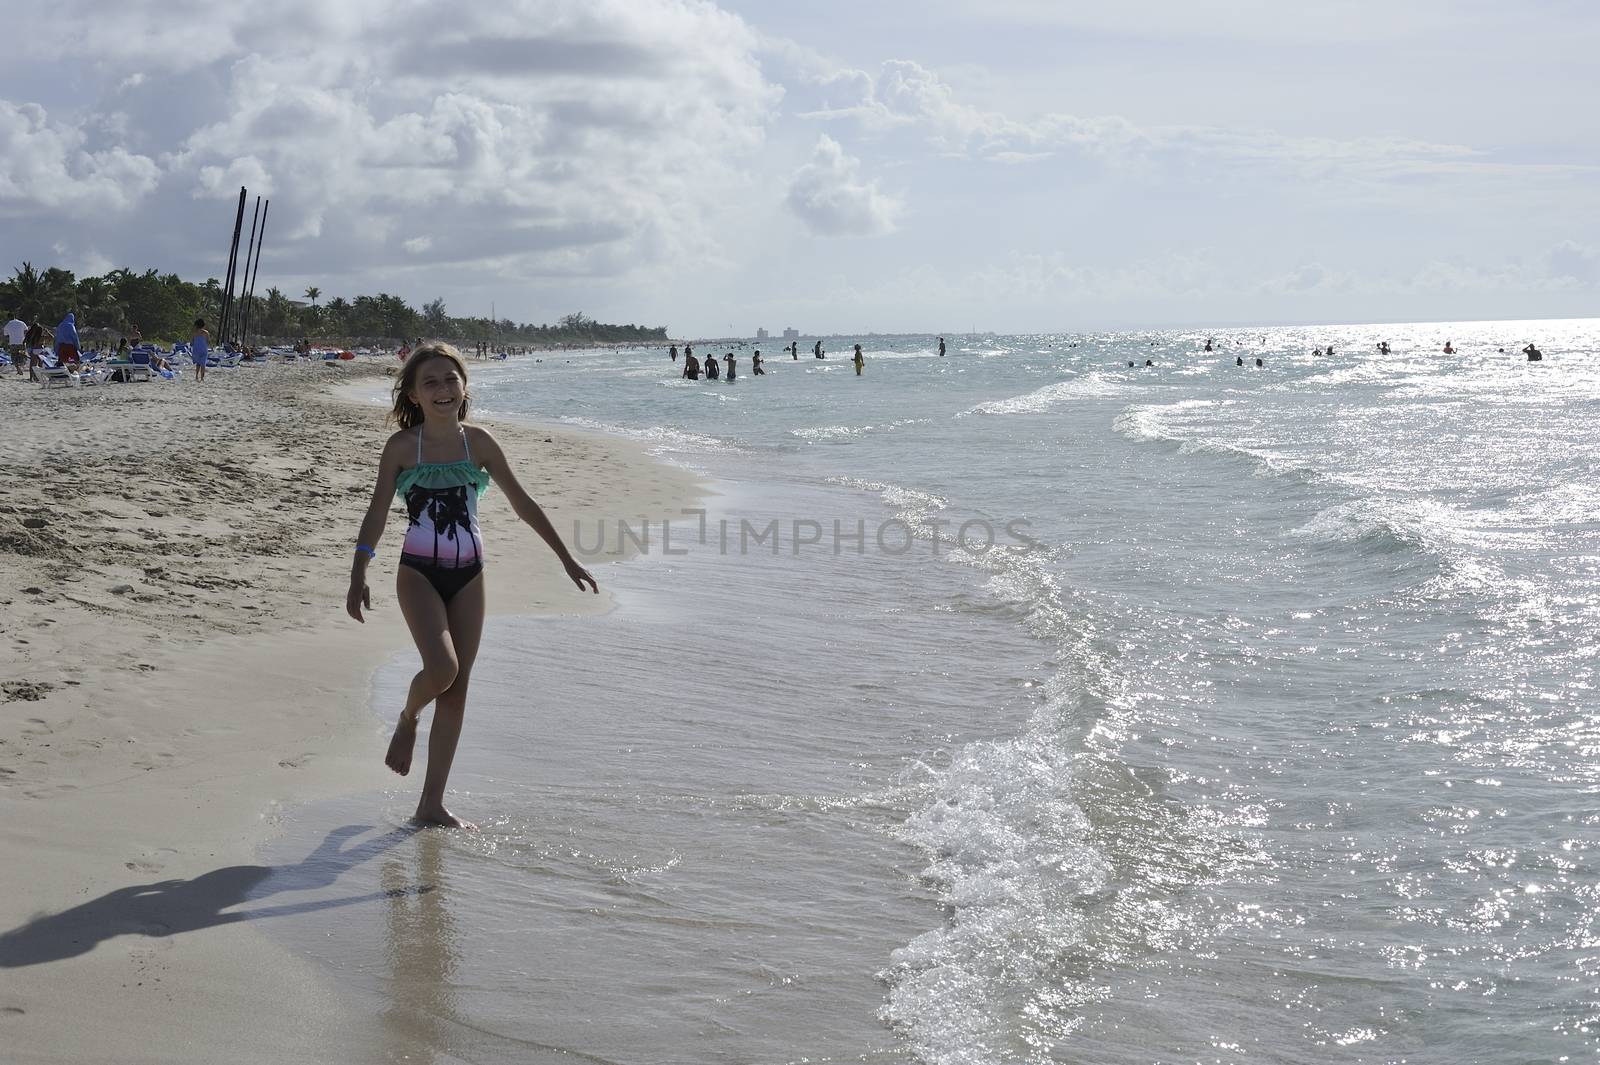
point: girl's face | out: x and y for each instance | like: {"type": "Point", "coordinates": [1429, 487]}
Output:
{"type": "Point", "coordinates": [438, 390]}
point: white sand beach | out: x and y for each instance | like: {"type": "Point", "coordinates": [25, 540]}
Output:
{"type": "Point", "coordinates": [177, 665]}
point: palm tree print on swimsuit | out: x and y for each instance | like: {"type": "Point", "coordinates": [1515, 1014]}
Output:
{"type": "Point", "coordinates": [449, 517]}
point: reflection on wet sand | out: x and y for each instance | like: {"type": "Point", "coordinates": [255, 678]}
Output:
{"type": "Point", "coordinates": [421, 947]}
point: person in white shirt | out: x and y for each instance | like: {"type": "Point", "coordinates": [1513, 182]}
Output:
{"type": "Point", "coordinates": [15, 331]}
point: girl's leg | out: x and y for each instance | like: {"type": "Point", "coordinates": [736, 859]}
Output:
{"type": "Point", "coordinates": [466, 630]}
{"type": "Point", "coordinates": [430, 627]}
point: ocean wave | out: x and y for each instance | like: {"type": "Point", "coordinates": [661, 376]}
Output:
{"type": "Point", "coordinates": [1089, 386]}
{"type": "Point", "coordinates": [843, 432]}
{"type": "Point", "coordinates": [910, 505]}
{"type": "Point", "coordinates": [1011, 855]}
{"type": "Point", "coordinates": [1364, 523]}
{"type": "Point", "coordinates": [1157, 424]}
{"type": "Point", "coordinates": [661, 436]}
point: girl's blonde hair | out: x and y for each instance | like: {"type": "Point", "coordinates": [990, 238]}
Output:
{"type": "Point", "coordinates": [406, 413]}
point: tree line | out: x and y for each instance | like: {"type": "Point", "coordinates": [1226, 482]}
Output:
{"type": "Point", "coordinates": [163, 306]}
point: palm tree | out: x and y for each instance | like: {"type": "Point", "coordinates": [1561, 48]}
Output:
{"type": "Point", "coordinates": [313, 293]}
{"type": "Point", "coordinates": [26, 290]}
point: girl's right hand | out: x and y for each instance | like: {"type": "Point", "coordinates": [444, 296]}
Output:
{"type": "Point", "coordinates": [360, 595]}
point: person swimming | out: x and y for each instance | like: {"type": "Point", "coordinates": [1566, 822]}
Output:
{"type": "Point", "coordinates": [1208, 343]}
{"type": "Point", "coordinates": [1258, 363]}
{"type": "Point", "coordinates": [691, 367]}
{"type": "Point", "coordinates": [755, 364]}
{"type": "Point", "coordinates": [1238, 360]}
{"type": "Point", "coordinates": [1533, 353]}
{"type": "Point", "coordinates": [712, 371]}
{"type": "Point", "coordinates": [1449, 349]}
{"type": "Point", "coordinates": [817, 352]}
{"type": "Point", "coordinates": [732, 370]}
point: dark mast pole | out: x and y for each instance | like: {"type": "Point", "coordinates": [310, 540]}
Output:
{"type": "Point", "coordinates": [244, 299]}
{"type": "Point", "coordinates": [233, 258]}
{"type": "Point", "coordinates": [256, 272]}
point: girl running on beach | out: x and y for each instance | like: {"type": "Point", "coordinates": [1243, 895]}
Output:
{"type": "Point", "coordinates": [440, 467]}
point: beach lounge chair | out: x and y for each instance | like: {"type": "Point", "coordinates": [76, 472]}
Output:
{"type": "Point", "coordinates": [52, 374]}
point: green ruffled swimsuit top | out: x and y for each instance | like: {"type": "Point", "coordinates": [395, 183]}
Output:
{"type": "Point", "coordinates": [442, 508]}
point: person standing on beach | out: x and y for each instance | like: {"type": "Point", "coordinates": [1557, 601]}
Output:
{"type": "Point", "coordinates": [859, 360]}
{"type": "Point", "coordinates": [200, 349]}
{"type": "Point", "coordinates": [67, 340]}
{"type": "Point", "coordinates": [16, 332]}
{"type": "Point", "coordinates": [33, 344]}
{"type": "Point", "coordinates": [440, 467]}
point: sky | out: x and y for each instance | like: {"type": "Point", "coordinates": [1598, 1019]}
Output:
{"type": "Point", "coordinates": [839, 167]}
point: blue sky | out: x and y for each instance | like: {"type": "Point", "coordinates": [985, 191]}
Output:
{"type": "Point", "coordinates": [1012, 165]}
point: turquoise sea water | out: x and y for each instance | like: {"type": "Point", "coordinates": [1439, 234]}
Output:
{"type": "Point", "coordinates": [1264, 729]}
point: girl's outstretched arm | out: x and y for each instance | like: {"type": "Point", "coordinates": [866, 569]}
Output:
{"type": "Point", "coordinates": [372, 528]}
{"type": "Point", "coordinates": [487, 450]}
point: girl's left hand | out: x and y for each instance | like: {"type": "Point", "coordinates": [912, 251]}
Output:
{"type": "Point", "coordinates": [579, 575]}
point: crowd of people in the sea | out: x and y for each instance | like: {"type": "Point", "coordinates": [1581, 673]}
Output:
{"type": "Point", "coordinates": [1212, 344]}
{"type": "Point", "coordinates": [694, 369]}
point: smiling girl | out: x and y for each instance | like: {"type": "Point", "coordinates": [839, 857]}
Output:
{"type": "Point", "coordinates": [440, 467]}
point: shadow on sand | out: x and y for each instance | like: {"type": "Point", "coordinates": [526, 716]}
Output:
{"type": "Point", "coordinates": [171, 907]}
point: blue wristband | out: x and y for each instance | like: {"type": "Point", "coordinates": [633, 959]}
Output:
{"type": "Point", "coordinates": [369, 552]}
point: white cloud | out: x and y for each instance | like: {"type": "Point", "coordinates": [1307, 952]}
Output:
{"type": "Point", "coordinates": [46, 166]}
{"type": "Point", "coordinates": [830, 198]}
{"type": "Point", "coordinates": [567, 148]}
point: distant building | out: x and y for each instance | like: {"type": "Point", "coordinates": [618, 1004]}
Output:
{"type": "Point", "coordinates": [761, 334]}
{"type": "Point", "coordinates": [791, 334]}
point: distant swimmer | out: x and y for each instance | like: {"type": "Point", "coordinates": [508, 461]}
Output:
{"type": "Point", "coordinates": [755, 364]}
{"type": "Point", "coordinates": [859, 360]}
{"type": "Point", "coordinates": [1130, 364]}
{"type": "Point", "coordinates": [732, 370]}
{"type": "Point", "coordinates": [688, 352]}
{"type": "Point", "coordinates": [1533, 353]}
{"type": "Point", "coordinates": [1316, 351]}
{"type": "Point", "coordinates": [1449, 349]}
{"type": "Point", "coordinates": [1329, 351]}
{"type": "Point", "coordinates": [674, 353]}
{"type": "Point", "coordinates": [711, 368]}
{"type": "Point", "coordinates": [691, 367]}
{"type": "Point", "coordinates": [1238, 360]}
{"type": "Point", "coordinates": [817, 352]}
{"type": "Point", "coordinates": [1383, 347]}
{"type": "Point", "coordinates": [1149, 362]}
{"type": "Point", "coordinates": [1258, 364]}
{"type": "Point", "coordinates": [1208, 343]}
{"type": "Point", "coordinates": [941, 347]}
{"type": "Point", "coordinates": [794, 350]}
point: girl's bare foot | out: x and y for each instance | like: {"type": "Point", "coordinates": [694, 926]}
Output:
{"type": "Point", "coordinates": [438, 815]}
{"type": "Point", "coordinates": [405, 738]}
